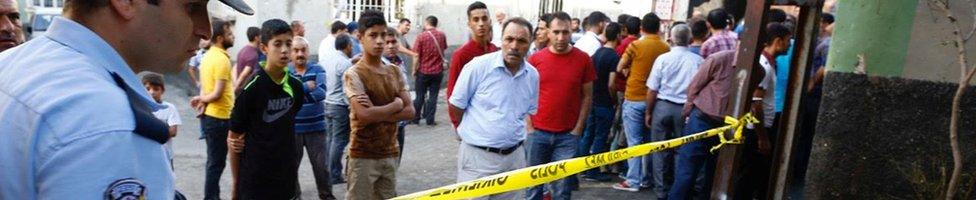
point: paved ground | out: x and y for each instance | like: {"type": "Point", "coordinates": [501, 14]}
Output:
{"type": "Point", "coordinates": [429, 160]}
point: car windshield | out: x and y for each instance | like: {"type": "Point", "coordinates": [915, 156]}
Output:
{"type": "Point", "coordinates": [41, 22]}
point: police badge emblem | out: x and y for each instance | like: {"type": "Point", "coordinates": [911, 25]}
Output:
{"type": "Point", "coordinates": [126, 189]}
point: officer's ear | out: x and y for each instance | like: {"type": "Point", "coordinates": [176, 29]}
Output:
{"type": "Point", "coordinates": [126, 9]}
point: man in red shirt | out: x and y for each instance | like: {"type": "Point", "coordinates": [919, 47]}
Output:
{"type": "Point", "coordinates": [429, 46]}
{"type": "Point", "coordinates": [479, 23]}
{"type": "Point", "coordinates": [566, 76]}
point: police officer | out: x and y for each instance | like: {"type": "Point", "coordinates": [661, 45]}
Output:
{"type": "Point", "coordinates": [75, 122]}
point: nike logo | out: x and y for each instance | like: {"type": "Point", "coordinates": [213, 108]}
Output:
{"type": "Point", "coordinates": [276, 108]}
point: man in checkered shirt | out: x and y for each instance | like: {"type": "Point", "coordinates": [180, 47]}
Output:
{"type": "Point", "coordinates": [722, 39]}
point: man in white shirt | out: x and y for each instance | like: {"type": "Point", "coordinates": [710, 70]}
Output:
{"type": "Point", "coordinates": [327, 46]}
{"type": "Point", "coordinates": [594, 24]}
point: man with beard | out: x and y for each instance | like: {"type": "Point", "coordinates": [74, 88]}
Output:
{"type": "Point", "coordinates": [216, 100]}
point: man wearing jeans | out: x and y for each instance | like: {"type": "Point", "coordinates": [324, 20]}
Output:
{"type": "Point", "coordinates": [494, 96]}
{"type": "Point", "coordinates": [216, 95]}
{"type": "Point", "coordinates": [598, 124]}
{"type": "Point", "coordinates": [336, 106]}
{"type": "Point", "coordinates": [667, 88]}
{"type": "Point", "coordinates": [565, 96]}
{"type": "Point", "coordinates": [707, 103]}
{"type": "Point", "coordinates": [636, 65]}
{"type": "Point", "coordinates": [430, 46]}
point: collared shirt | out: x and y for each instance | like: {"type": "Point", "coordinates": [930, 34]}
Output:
{"type": "Point", "coordinates": [721, 41]}
{"type": "Point", "coordinates": [335, 64]}
{"type": "Point", "coordinates": [216, 66]}
{"type": "Point", "coordinates": [71, 137]}
{"type": "Point", "coordinates": [589, 43]}
{"type": "Point", "coordinates": [311, 118]}
{"type": "Point", "coordinates": [642, 54]}
{"type": "Point", "coordinates": [430, 46]}
{"type": "Point", "coordinates": [672, 72]}
{"type": "Point", "coordinates": [495, 101]}
{"type": "Point", "coordinates": [460, 59]}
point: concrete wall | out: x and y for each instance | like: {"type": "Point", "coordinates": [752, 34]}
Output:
{"type": "Point", "coordinates": [882, 130]}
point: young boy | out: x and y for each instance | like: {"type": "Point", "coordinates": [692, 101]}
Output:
{"type": "Point", "coordinates": [377, 101]}
{"type": "Point", "coordinates": [390, 58]}
{"type": "Point", "coordinates": [262, 124]}
{"type": "Point", "coordinates": [156, 87]}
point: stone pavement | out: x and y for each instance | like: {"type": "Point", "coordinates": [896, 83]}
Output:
{"type": "Point", "coordinates": [429, 160]}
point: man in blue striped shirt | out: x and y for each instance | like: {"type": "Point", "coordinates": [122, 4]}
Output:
{"type": "Point", "coordinates": [310, 120]}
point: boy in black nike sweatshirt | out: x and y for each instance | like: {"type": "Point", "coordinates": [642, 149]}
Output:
{"type": "Point", "coordinates": [262, 123]}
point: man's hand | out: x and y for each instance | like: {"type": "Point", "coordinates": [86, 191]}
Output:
{"type": "Point", "coordinates": [397, 103]}
{"type": "Point", "coordinates": [578, 131]}
{"type": "Point", "coordinates": [236, 145]}
{"type": "Point", "coordinates": [310, 85]}
{"type": "Point", "coordinates": [195, 101]}
{"type": "Point", "coordinates": [363, 100]}
{"type": "Point", "coordinates": [648, 119]}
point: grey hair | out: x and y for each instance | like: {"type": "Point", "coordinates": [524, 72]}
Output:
{"type": "Point", "coordinates": [681, 35]}
{"type": "Point", "coordinates": [301, 39]}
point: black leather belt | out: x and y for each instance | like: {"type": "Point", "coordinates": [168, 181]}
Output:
{"type": "Point", "coordinates": [503, 151]}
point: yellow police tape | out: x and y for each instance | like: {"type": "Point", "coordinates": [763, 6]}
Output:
{"type": "Point", "coordinates": [539, 174]}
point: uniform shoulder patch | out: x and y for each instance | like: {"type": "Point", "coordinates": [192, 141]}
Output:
{"type": "Point", "coordinates": [126, 189]}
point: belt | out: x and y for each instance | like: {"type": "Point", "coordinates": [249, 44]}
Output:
{"type": "Point", "coordinates": [503, 151]}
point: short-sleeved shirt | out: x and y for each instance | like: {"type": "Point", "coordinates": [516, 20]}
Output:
{"type": "Point", "coordinates": [495, 101]}
{"type": "Point", "coordinates": [589, 43]}
{"type": "Point", "coordinates": [721, 41]}
{"type": "Point", "coordinates": [382, 84]}
{"type": "Point", "coordinates": [605, 61]}
{"type": "Point", "coordinates": [769, 84]}
{"type": "Point", "coordinates": [171, 115]}
{"type": "Point", "coordinates": [430, 46]}
{"type": "Point", "coordinates": [76, 142]}
{"type": "Point", "coordinates": [783, 75]}
{"type": "Point", "coordinates": [622, 47]}
{"type": "Point", "coordinates": [642, 54]}
{"type": "Point", "coordinates": [265, 114]}
{"type": "Point", "coordinates": [248, 56]}
{"type": "Point", "coordinates": [216, 66]}
{"type": "Point", "coordinates": [461, 58]}
{"type": "Point", "coordinates": [672, 72]}
{"type": "Point", "coordinates": [561, 80]}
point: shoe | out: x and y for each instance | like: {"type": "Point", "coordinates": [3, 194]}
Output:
{"type": "Point", "coordinates": [597, 178]}
{"type": "Point", "coordinates": [625, 187]}
{"type": "Point", "coordinates": [432, 124]}
{"type": "Point", "coordinates": [414, 122]}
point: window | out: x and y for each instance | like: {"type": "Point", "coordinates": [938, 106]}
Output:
{"type": "Point", "coordinates": [351, 9]}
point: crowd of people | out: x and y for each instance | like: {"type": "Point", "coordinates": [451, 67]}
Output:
{"type": "Point", "coordinates": [518, 95]}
